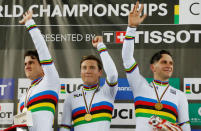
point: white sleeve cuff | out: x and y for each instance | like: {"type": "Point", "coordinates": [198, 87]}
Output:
{"type": "Point", "coordinates": [130, 31]}
{"type": "Point", "coordinates": [101, 45]}
{"type": "Point", "coordinates": [29, 22]}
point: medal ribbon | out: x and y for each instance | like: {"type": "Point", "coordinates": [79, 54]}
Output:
{"type": "Point", "coordinates": [89, 109]}
{"type": "Point", "coordinates": [159, 100]}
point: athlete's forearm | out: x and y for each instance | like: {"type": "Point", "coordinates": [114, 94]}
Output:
{"type": "Point", "coordinates": [108, 64]}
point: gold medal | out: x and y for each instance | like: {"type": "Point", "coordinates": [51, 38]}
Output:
{"type": "Point", "coordinates": [88, 117]}
{"type": "Point", "coordinates": [158, 106]}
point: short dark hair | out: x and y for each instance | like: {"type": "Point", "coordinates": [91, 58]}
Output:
{"type": "Point", "coordinates": [33, 54]}
{"type": "Point", "coordinates": [92, 57]}
{"type": "Point", "coordinates": [157, 56]}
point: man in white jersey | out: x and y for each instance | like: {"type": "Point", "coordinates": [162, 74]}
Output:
{"type": "Point", "coordinates": [158, 97]}
{"type": "Point", "coordinates": [42, 95]}
{"type": "Point", "coordinates": [90, 108]}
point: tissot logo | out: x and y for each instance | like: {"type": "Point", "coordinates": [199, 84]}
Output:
{"type": "Point", "coordinates": [114, 36]}
{"type": "Point", "coordinates": [153, 36]}
{"type": "Point", "coordinates": [23, 84]}
{"type": "Point", "coordinates": [120, 35]}
{"type": "Point", "coordinates": [6, 113]}
{"type": "Point", "coordinates": [6, 89]}
{"type": "Point", "coordinates": [192, 88]}
{"type": "Point", "coordinates": [108, 36]}
{"type": "Point", "coordinates": [2, 89]}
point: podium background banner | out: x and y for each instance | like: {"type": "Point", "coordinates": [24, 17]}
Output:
{"type": "Point", "coordinates": [68, 28]}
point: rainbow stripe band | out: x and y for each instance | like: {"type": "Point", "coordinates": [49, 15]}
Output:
{"type": "Point", "coordinates": [102, 50]}
{"type": "Point", "coordinates": [129, 37]}
{"type": "Point", "coordinates": [101, 111]}
{"type": "Point", "coordinates": [46, 62]}
{"type": "Point", "coordinates": [144, 107]}
{"type": "Point", "coordinates": [161, 83]}
{"type": "Point", "coordinates": [95, 119]}
{"type": "Point", "coordinates": [132, 68]}
{"type": "Point", "coordinates": [31, 27]}
{"type": "Point", "coordinates": [65, 126]}
{"type": "Point", "coordinates": [188, 91]}
{"type": "Point", "coordinates": [43, 101]}
{"type": "Point", "coordinates": [63, 91]}
{"type": "Point", "coordinates": [92, 87]}
{"type": "Point", "coordinates": [36, 81]}
{"type": "Point", "coordinates": [111, 84]}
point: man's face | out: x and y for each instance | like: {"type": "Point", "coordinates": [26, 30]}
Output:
{"type": "Point", "coordinates": [90, 72]}
{"type": "Point", "coordinates": [163, 68]}
{"type": "Point", "coordinates": [32, 68]}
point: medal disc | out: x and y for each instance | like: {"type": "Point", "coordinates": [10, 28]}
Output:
{"type": "Point", "coordinates": [88, 117]}
{"type": "Point", "coordinates": [158, 106]}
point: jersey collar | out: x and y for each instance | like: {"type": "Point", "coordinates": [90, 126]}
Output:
{"type": "Point", "coordinates": [36, 81]}
{"type": "Point", "coordinates": [90, 87]}
{"type": "Point", "coordinates": [160, 83]}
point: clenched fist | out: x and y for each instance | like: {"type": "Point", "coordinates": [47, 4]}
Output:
{"type": "Point", "coordinates": [96, 40]}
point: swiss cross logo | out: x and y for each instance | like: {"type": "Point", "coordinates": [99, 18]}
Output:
{"type": "Point", "coordinates": [120, 35]}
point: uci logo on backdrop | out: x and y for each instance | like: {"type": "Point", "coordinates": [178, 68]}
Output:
{"type": "Point", "coordinates": [189, 12]}
{"type": "Point", "coordinates": [69, 85]}
{"type": "Point", "coordinates": [192, 88]}
{"type": "Point", "coordinates": [123, 114]}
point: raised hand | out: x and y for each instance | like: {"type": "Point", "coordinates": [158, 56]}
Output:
{"type": "Point", "coordinates": [27, 16]}
{"type": "Point", "coordinates": [96, 40]}
{"type": "Point", "coordinates": [134, 18]}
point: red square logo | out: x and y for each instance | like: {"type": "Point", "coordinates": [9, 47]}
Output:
{"type": "Point", "coordinates": [120, 35]}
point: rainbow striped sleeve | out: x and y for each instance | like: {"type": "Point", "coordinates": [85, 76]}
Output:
{"type": "Point", "coordinates": [111, 84]}
{"type": "Point", "coordinates": [132, 68]}
{"type": "Point", "coordinates": [144, 107]}
{"type": "Point", "coordinates": [43, 101]}
{"type": "Point", "coordinates": [31, 27]}
{"type": "Point", "coordinates": [102, 50]}
{"type": "Point", "coordinates": [129, 37]}
{"type": "Point", "coordinates": [46, 62]}
{"type": "Point", "coordinates": [101, 111]}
